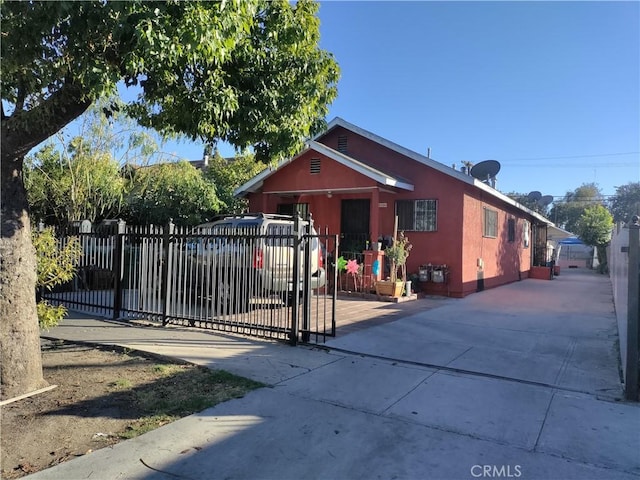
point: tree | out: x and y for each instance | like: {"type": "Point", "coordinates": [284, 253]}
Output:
{"type": "Point", "coordinates": [229, 174]}
{"type": "Point", "coordinates": [249, 72]}
{"type": "Point", "coordinates": [170, 191]}
{"type": "Point", "coordinates": [594, 228]}
{"type": "Point", "coordinates": [525, 200]}
{"type": "Point", "coordinates": [567, 212]}
{"type": "Point", "coordinates": [626, 202]}
{"type": "Point", "coordinates": [78, 184]}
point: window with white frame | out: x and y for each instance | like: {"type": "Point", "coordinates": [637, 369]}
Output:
{"type": "Point", "coordinates": [490, 223]}
{"type": "Point", "coordinates": [526, 228]}
{"type": "Point", "coordinates": [417, 215]}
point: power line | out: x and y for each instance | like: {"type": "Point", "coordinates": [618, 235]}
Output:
{"type": "Point", "coordinates": [573, 156]}
{"type": "Point", "coordinates": [582, 165]}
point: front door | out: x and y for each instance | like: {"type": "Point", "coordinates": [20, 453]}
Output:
{"type": "Point", "coordinates": [354, 225]}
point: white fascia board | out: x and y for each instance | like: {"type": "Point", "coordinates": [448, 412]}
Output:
{"type": "Point", "coordinates": [359, 167]}
{"type": "Point", "coordinates": [339, 122]}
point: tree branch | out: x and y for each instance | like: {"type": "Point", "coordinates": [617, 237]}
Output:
{"type": "Point", "coordinates": [20, 98]}
{"type": "Point", "coordinates": [25, 129]}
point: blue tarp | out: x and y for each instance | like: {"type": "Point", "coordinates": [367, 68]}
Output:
{"type": "Point", "coordinates": [571, 241]}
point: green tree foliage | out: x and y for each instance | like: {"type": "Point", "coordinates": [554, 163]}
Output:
{"type": "Point", "coordinates": [246, 71]}
{"type": "Point", "coordinates": [56, 265]}
{"type": "Point", "coordinates": [594, 228]}
{"type": "Point", "coordinates": [71, 185]}
{"type": "Point", "coordinates": [249, 72]}
{"type": "Point", "coordinates": [626, 202]}
{"type": "Point", "coordinates": [228, 174]}
{"type": "Point", "coordinates": [81, 178]}
{"type": "Point", "coordinates": [566, 212]}
{"type": "Point", "coordinates": [170, 191]}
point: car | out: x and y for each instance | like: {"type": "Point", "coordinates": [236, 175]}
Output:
{"type": "Point", "coordinates": [238, 257]}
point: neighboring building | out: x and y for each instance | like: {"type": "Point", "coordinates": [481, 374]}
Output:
{"type": "Point", "coordinates": [201, 164]}
{"type": "Point", "coordinates": [356, 182]}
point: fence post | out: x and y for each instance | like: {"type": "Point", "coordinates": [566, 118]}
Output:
{"type": "Point", "coordinates": [295, 298]}
{"type": "Point", "coordinates": [118, 269]}
{"type": "Point", "coordinates": [306, 284]}
{"type": "Point", "coordinates": [164, 279]}
{"type": "Point", "coordinates": [633, 313]}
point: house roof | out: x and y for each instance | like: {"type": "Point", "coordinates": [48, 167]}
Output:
{"type": "Point", "coordinates": [379, 176]}
{"type": "Point", "coordinates": [256, 182]}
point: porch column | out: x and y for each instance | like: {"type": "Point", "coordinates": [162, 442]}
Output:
{"type": "Point", "coordinates": [374, 215]}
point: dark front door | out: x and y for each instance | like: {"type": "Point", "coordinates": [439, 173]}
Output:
{"type": "Point", "coordinates": [354, 225]}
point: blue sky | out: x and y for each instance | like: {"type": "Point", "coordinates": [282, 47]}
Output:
{"type": "Point", "coordinates": [549, 89]}
{"type": "Point", "coordinates": [511, 81]}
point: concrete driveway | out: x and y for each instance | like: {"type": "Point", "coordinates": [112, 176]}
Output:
{"type": "Point", "coordinates": [559, 333]}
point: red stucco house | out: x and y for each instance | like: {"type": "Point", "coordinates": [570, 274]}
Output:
{"type": "Point", "coordinates": [356, 182]}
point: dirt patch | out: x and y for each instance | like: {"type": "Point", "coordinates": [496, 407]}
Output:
{"type": "Point", "coordinates": [103, 397]}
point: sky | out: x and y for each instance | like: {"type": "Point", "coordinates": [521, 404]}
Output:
{"type": "Point", "coordinates": [549, 89]}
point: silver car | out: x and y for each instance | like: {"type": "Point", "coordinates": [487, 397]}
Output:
{"type": "Point", "coordinates": [239, 257]}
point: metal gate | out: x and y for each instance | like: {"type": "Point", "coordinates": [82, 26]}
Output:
{"type": "Point", "coordinates": [173, 275]}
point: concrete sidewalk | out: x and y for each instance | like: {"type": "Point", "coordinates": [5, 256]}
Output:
{"type": "Point", "coordinates": [518, 382]}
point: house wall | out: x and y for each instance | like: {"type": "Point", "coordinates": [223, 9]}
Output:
{"type": "Point", "coordinates": [489, 262]}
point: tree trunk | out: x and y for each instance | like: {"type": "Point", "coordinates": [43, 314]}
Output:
{"type": "Point", "coordinates": [20, 357]}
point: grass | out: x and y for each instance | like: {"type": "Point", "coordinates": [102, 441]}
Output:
{"type": "Point", "coordinates": [122, 383]}
{"type": "Point", "coordinates": [180, 390]}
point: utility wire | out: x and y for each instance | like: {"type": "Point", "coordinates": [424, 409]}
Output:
{"type": "Point", "coordinates": [573, 156]}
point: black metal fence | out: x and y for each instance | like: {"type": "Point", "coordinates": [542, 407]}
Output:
{"type": "Point", "coordinates": [248, 281]}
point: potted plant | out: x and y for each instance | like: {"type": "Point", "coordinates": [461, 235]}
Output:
{"type": "Point", "coordinates": [397, 254]}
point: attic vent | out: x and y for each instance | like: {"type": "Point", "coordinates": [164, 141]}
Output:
{"type": "Point", "coordinates": [342, 144]}
{"type": "Point", "coordinates": [315, 166]}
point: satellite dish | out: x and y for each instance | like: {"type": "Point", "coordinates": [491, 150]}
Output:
{"type": "Point", "coordinates": [546, 200]}
{"type": "Point", "coordinates": [534, 196]}
{"type": "Point", "coordinates": [485, 171]}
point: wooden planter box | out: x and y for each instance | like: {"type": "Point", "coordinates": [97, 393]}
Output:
{"type": "Point", "coordinates": [386, 287]}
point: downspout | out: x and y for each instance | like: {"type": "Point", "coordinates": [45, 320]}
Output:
{"type": "Point", "coordinates": [374, 215]}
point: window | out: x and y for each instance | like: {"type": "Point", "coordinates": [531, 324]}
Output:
{"type": "Point", "coordinates": [490, 223]}
{"type": "Point", "coordinates": [526, 226]}
{"type": "Point", "coordinates": [291, 208]}
{"type": "Point", "coordinates": [417, 215]}
{"type": "Point", "coordinates": [314, 167]}
{"type": "Point", "coordinates": [342, 144]}
{"type": "Point", "coordinates": [511, 229]}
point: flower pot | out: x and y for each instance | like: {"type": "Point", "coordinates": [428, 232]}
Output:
{"type": "Point", "coordinates": [387, 287]}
